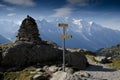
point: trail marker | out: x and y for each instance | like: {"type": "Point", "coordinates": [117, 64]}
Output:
{"type": "Point", "coordinates": [64, 36]}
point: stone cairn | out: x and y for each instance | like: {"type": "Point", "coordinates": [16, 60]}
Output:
{"type": "Point", "coordinates": [28, 31]}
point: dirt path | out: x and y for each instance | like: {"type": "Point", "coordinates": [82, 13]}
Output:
{"type": "Point", "coordinates": [100, 71]}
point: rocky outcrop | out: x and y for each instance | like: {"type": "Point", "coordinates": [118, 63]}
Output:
{"type": "Point", "coordinates": [27, 54]}
{"type": "Point", "coordinates": [24, 54]}
{"type": "Point", "coordinates": [113, 52]}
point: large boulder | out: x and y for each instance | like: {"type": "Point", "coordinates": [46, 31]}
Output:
{"type": "Point", "coordinates": [24, 54]}
{"type": "Point", "coordinates": [76, 60]}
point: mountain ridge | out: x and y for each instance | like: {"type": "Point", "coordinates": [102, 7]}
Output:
{"type": "Point", "coordinates": [90, 34]}
{"type": "Point", "coordinates": [3, 40]}
{"type": "Point", "coordinates": [85, 34]}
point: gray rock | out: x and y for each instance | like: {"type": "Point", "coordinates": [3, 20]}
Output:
{"type": "Point", "coordinates": [69, 70]}
{"type": "Point", "coordinates": [102, 59]}
{"type": "Point", "coordinates": [77, 60]}
{"type": "Point", "coordinates": [59, 76]}
{"type": "Point", "coordinates": [83, 74]}
{"type": "Point", "coordinates": [76, 76]}
{"type": "Point", "coordinates": [53, 69]}
{"type": "Point", "coordinates": [45, 67]}
{"type": "Point", "coordinates": [27, 54]}
{"type": "Point", "coordinates": [24, 54]}
{"type": "Point", "coordinates": [40, 77]}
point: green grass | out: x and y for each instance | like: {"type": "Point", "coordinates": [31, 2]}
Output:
{"type": "Point", "coordinates": [115, 64]}
{"type": "Point", "coordinates": [19, 75]}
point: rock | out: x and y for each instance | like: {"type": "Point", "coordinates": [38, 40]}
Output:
{"type": "Point", "coordinates": [112, 51]}
{"type": "Point", "coordinates": [69, 70]}
{"type": "Point", "coordinates": [102, 59]}
{"type": "Point", "coordinates": [38, 69]}
{"type": "Point", "coordinates": [40, 77]}
{"type": "Point", "coordinates": [45, 67]}
{"type": "Point", "coordinates": [59, 76]}
{"type": "Point", "coordinates": [28, 31]}
{"type": "Point", "coordinates": [99, 58]}
{"type": "Point", "coordinates": [33, 72]}
{"type": "Point", "coordinates": [53, 69]}
{"type": "Point", "coordinates": [26, 54]}
{"type": "Point", "coordinates": [83, 74]}
{"type": "Point", "coordinates": [76, 76]}
{"type": "Point", "coordinates": [109, 58]}
{"type": "Point", "coordinates": [65, 76]}
{"type": "Point", "coordinates": [76, 60]}
{"type": "Point", "coordinates": [35, 77]}
{"type": "Point", "coordinates": [73, 50]}
{"type": "Point", "coordinates": [84, 51]}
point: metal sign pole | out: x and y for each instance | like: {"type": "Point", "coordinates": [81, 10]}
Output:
{"type": "Point", "coordinates": [64, 50]}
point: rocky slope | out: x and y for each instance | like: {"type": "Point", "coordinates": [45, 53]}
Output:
{"type": "Point", "coordinates": [113, 51]}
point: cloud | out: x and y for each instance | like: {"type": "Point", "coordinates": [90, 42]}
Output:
{"type": "Point", "coordinates": [2, 6]}
{"type": "Point", "coordinates": [69, 7]}
{"type": "Point", "coordinates": [10, 9]}
{"type": "Point", "coordinates": [11, 14]}
{"type": "Point", "coordinates": [6, 7]}
{"type": "Point", "coordinates": [82, 2]}
{"type": "Point", "coordinates": [21, 2]}
{"type": "Point", "coordinates": [64, 11]}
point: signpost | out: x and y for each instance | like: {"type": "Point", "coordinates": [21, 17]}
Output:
{"type": "Point", "coordinates": [64, 26]}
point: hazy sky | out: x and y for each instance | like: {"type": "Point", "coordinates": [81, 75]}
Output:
{"type": "Point", "coordinates": [104, 12]}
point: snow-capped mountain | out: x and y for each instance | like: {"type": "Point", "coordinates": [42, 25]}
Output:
{"type": "Point", "coordinates": [85, 34]}
{"type": "Point", "coordinates": [8, 29]}
{"type": "Point", "coordinates": [3, 40]}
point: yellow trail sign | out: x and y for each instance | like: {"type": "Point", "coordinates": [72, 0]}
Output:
{"type": "Point", "coordinates": [66, 36]}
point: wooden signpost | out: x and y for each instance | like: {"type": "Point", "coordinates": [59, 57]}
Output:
{"type": "Point", "coordinates": [64, 36]}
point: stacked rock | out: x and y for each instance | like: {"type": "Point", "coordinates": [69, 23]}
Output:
{"type": "Point", "coordinates": [29, 31]}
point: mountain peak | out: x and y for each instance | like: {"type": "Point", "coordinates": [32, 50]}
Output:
{"type": "Point", "coordinates": [91, 23]}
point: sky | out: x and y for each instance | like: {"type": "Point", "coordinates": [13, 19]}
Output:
{"type": "Point", "coordinates": [104, 12]}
